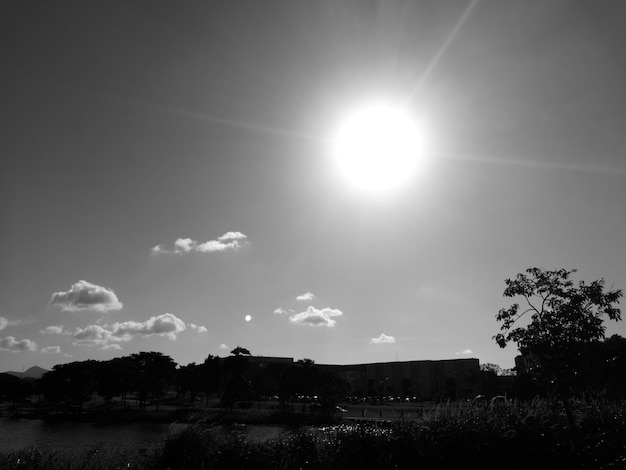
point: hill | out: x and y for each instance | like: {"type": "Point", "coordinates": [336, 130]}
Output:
{"type": "Point", "coordinates": [34, 372]}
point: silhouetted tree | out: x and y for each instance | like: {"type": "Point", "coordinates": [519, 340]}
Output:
{"type": "Point", "coordinates": [239, 351]}
{"type": "Point", "coordinates": [331, 388]}
{"type": "Point", "coordinates": [564, 318]}
{"type": "Point", "coordinates": [189, 380]}
{"type": "Point", "coordinates": [210, 376]}
{"type": "Point", "coordinates": [236, 385]}
{"type": "Point", "coordinates": [70, 384]}
{"type": "Point", "coordinates": [15, 389]}
{"type": "Point", "coordinates": [489, 379]}
{"type": "Point", "coordinates": [156, 372]}
{"type": "Point", "coordinates": [298, 381]}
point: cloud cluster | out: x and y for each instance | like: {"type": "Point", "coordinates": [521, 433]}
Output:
{"type": "Point", "coordinates": [13, 345]}
{"type": "Point", "coordinates": [316, 317]}
{"type": "Point", "coordinates": [230, 241]}
{"type": "Point", "coordinates": [198, 328]}
{"type": "Point", "coordinates": [54, 330]}
{"type": "Point", "coordinates": [109, 337]}
{"type": "Point", "coordinates": [84, 295]}
{"type": "Point", "coordinates": [166, 325]}
{"type": "Point", "coordinates": [51, 350]}
{"type": "Point", "coordinates": [383, 339]}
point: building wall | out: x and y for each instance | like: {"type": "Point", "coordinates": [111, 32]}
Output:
{"type": "Point", "coordinates": [453, 379]}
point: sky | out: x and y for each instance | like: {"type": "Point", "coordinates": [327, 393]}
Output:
{"type": "Point", "coordinates": [168, 180]}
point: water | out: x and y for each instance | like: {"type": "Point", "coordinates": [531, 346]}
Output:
{"type": "Point", "coordinates": [25, 433]}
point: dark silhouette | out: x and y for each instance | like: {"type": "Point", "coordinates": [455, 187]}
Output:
{"type": "Point", "coordinates": [565, 322]}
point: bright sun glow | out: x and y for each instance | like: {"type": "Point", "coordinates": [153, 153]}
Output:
{"type": "Point", "coordinates": [377, 147]}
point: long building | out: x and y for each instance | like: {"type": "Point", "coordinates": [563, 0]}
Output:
{"type": "Point", "coordinates": [452, 379]}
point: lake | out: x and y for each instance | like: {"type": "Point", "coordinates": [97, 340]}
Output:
{"type": "Point", "coordinates": [25, 433]}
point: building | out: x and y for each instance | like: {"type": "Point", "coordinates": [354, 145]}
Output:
{"type": "Point", "coordinates": [453, 379]}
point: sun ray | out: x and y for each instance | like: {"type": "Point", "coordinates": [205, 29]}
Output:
{"type": "Point", "coordinates": [435, 60]}
{"type": "Point", "coordinates": [533, 163]}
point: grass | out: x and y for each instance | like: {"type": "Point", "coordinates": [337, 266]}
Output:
{"type": "Point", "coordinates": [93, 459]}
{"type": "Point", "coordinates": [517, 436]}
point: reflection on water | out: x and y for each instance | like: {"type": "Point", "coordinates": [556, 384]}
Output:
{"type": "Point", "coordinates": [24, 433]}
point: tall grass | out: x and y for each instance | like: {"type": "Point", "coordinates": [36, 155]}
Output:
{"type": "Point", "coordinates": [34, 458]}
{"type": "Point", "coordinates": [515, 436]}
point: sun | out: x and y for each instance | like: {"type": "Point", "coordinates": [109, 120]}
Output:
{"type": "Point", "coordinates": [377, 147]}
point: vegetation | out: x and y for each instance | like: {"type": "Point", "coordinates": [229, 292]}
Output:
{"type": "Point", "coordinates": [128, 387]}
{"type": "Point", "coordinates": [513, 436]}
{"type": "Point", "coordinates": [566, 323]}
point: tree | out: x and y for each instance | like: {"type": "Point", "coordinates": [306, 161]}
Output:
{"type": "Point", "coordinates": [565, 318]}
{"type": "Point", "coordinates": [210, 376]}
{"type": "Point", "coordinates": [239, 351]}
{"type": "Point", "coordinates": [236, 378]}
{"type": "Point", "coordinates": [156, 372]}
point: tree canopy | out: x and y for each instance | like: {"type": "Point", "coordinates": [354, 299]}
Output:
{"type": "Point", "coordinates": [562, 314]}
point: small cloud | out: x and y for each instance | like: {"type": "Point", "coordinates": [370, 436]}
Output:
{"type": "Point", "coordinates": [51, 350]}
{"type": "Point", "coordinates": [94, 335]}
{"type": "Point", "coordinates": [465, 352]}
{"type": "Point", "coordinates": [223, 346]}
{"type": "Point", "coordinates": [383, 339]}
{"type": "Point", "coordinates": [4, 322]}
{"type": "Point", "coordinates": [13, 345]}
{"type": "Point", "coordinates": [316, 317]}
{"type": "Point", "coordinates": [158, 249]}
{"type": "Point", "coordinates": [282, 311]}
{"type": "Point", "coordinates": [306, 296]}
{"type": "Point", "coordinates": [84, 295]}
{"type": "Point", "coordinates": [184, 245]}
{"type": "Point", "coordinates": [114, 346]}
{"type": "Point", "coordinates": [213, 246]}
{"type": "Point", "coordinates": [166, 324]}
{"type": "Point", "coordinates": [198, 328]}
{"type": "Point", "coordinates": [230, 241]}
{"type": "Point", "coordinates": [54, 330]}
{"type": "Point", "coordinates": [232, 236]}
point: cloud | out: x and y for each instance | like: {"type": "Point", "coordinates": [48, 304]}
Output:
{"type": "Point", "coordinates": [11, 344]}
{"type": "Point", "coordinates": [184, 245]}
{"type": "Point", "coordinates": [51, 350]}
{"type": "Point", "coordinates": [109, 336]}
{"type": "Point", "coordinates": [282, 311]}
{"type": "Point", "coordinates": [54, 330]}
{"type": "Point", "coordinates": [224, 346]}
{"type": "Point", "coordinates": [306, 296]}
{"type": "Point", "coordinates": [464, 352]}
{"type": "Point", "coordinates": [232, 236]}
{"type": "Point", "coordinates": [4, 322]}
{"type": "Point", "coordinates": [84, 295]}
{"type": "Point", "coordinates": [198, 328]}
{"type": "Point", "coordinates": [165, 325]}
{"type": "Point", "coordinates": [94, 335]}
{"type": "Point", "coordinates": [316, 317]}
{"type": "Point", "coordinates": [230, 241]}
{"type": "Point", "coordinates": [382, 339]}
{"type": "Point", "coordinates": [158, 249]}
